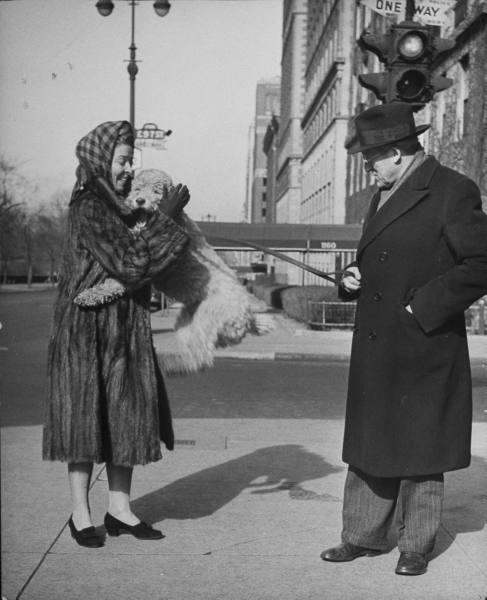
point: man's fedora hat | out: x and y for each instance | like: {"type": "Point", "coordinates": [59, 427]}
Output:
{"type": "Point", "coordinates": [383, 125]}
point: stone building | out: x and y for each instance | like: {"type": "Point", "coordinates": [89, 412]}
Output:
{"type": "Point", "coordinates": [358, 183]}
{"type": "Point", "coordinates": [328, 75]}
{"type": "Point", "coordinates": [266, 104]}
{"type": "Point", "coordinates": [458, 136]}
{"type": "Point", "coordinates": [270, 150]}
{"type": "Point", "coordinates": [289, 143]}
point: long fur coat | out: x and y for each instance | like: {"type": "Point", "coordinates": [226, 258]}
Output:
{"type": "Point", "coordinates": [106, 397]}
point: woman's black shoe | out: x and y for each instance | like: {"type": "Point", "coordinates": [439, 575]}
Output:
{"type": "Point", "coordinates": [141, 531]}
{"type": "Point", "coordinates": [85, 537]}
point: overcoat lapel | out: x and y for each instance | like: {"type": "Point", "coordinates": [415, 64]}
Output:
{"type": "Point", "coordinates": [409, 193]}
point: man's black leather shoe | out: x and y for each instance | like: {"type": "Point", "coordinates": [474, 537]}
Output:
{"type": "Point", "coordinates": [411, 563]}
{"type": "Point", "coordinates": [345, 552]}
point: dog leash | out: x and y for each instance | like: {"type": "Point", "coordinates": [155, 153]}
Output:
{"type": "Point", "coordinates": [292, 261]}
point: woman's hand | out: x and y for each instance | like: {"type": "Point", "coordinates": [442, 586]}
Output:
{"type": "Point", "coordinates": [351, 280]}
{"type": "Point", "coordinates": [175, 200]}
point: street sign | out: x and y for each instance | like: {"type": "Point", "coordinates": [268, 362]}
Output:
{"type": "Point", "coordinates": [149, 135]}
{"type": "Point", "coordinates": [434, 12]}
{"type": "Point", "coordinates": [388, 8]}
{"type": "Point", "coordinates": [429, 12]}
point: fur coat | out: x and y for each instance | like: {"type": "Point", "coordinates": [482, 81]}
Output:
{"type": "Point", "coordinates": [106, 395]}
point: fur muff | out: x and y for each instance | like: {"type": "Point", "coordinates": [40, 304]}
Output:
{"type": "Point", "coordinates": [216, 311]}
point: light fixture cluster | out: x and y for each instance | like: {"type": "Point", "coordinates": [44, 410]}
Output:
{"type": "Point", "coordinates": [105, 7]}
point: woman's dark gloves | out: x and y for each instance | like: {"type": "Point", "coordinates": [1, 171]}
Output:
{"type": "Point", "coordinates": [175, 200]}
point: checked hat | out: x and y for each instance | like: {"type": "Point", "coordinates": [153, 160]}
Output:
{"type": "Point", "coordinates": [95, 149]}
{"type": "Point", "coordinates": [383, 125]}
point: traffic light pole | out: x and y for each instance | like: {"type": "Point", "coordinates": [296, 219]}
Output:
{"type": "Point", "coordinates": [410, 10]}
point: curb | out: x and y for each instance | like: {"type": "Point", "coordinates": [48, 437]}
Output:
{"type": "Point", "coordinates": [283, 356]}
{"type": "Point", "coordinates": [312, 356]}
{"type": "Point", "coordinates": [302, 356]}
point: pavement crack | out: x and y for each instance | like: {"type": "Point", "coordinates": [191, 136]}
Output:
{"type": "Point", "coordinates": [51, 546]}
{"type": "Point", "coordinates": [256, 539]}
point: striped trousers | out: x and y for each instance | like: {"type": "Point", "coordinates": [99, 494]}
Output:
{"type": "Point", "coordinates": [371, 503]}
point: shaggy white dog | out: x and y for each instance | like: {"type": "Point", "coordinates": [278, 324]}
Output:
{"type": "Point", "coordinates": [216, 309]}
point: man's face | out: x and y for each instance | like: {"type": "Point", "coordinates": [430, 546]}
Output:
{"type": "Point", "coordinates": [122, 168]}
{"type": "Point", "coordinates": [384, 164]}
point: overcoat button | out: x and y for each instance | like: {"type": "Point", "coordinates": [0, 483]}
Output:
{"type": "Point", "coordinates": [372, 335]}
{"type": "Point", "coordinates": [383, 256]}
{"type": "Point", "coordinates": [377, 296]}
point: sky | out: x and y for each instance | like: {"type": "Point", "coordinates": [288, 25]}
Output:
{"type": "Point", "coordinates": [62, 72]}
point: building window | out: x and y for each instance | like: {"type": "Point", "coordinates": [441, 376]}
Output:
{"type": "Point", "coordinates": [264, 181]}
{"type": "Point", "coordinates": [462, 96]}
{"type": "Point", "coordinates": [264, 212]}
{"type": "Point", "coordinates": [465, 117]}
{"type": "Point", "coordinates": [264, 197]}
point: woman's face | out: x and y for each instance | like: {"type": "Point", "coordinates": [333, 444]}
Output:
{"type": "Point", "coordinates": [122, 168]}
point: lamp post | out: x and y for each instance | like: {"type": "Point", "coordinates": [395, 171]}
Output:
{"type": "Point", "coordinates": [105, 7]}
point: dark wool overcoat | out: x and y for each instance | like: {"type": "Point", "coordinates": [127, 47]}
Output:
{"type": "Point", "coordinates": [106, 397]}
{"type": "Point", "coordinates": [409, 405]}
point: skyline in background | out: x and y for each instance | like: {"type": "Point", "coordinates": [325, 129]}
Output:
{"type": "Point", "coordinates": [63, 72]}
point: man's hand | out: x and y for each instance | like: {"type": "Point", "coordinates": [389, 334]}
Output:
{"type": "Point", "coordinates": [351, 279]}
{"type": "Point", "coordinates": [175, 200]}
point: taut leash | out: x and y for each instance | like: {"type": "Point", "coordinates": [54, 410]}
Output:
{"type": "Point", "coordinates": [285, 258]}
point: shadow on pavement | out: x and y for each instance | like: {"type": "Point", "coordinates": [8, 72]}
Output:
{"type": "Point", "coordinates": [278, 468]}
{"type": "Point", "coordinates": [465, 507]}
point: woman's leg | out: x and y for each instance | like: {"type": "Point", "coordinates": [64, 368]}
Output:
{"type": "Point", "coordinates": [79, 475]}
{"type": "Point", "coordinates": [119, 485]}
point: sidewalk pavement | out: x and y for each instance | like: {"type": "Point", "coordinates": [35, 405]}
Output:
{"type": "Point", "coordinates": [246, 505]}
{"type": "Point", "coordinates": [290, 340]}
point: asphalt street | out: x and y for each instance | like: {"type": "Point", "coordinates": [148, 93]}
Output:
{"type": "Point", "coordinates": [248, 499]}
{"type": "Point", "coordinates": [231, 389]}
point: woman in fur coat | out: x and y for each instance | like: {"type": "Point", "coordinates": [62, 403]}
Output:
{"type": "Point", "coordinates": [106, 399]}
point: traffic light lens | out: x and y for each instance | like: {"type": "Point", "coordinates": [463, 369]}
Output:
{"type": "Point", "coordinates": [411, 46]}
{"type": "Point", "coordinates": [411, 85]}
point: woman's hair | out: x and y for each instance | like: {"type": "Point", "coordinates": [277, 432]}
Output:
{"type": "Point", "coordinates": [125, 138]}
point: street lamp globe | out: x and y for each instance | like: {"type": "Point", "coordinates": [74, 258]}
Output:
{"type": "Point", "coordinates": [162, 7]}
{"type": "Point", "coordinates": [104, 7]}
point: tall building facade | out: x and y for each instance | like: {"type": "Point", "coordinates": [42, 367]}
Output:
{"type": "Point", "coordinates": [330, 51]}
{"type": "Point", "coordinates": [270, 150]}
{"type": "Point", "coordinates": [458, 115]}
{"type": "Point", "coordinates": [249, 173]}
{"type": "Point", "coordinates": [358, 184]}
{"type": "Point", "coordinates": [290, 138]}
{"type": "Point", "coordinates": [266, 104]}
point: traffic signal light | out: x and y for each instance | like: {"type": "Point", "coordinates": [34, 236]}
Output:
{"type": "Point", "coordinates": [408, 51]}
{"type": "Point", "coordinates": [378, 43]}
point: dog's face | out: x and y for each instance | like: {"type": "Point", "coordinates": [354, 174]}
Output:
{"type": "Point", "coordinates": [148, 189]}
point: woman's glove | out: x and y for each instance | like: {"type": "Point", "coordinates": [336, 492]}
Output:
{"type": "Point", "coordinates": [174, 200]}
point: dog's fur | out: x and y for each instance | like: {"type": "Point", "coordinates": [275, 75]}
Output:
{"type": "Point", "coordinates": [216, 308]}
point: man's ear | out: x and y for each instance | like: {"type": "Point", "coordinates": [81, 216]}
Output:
{"type": "Point", "coordinates": [397, 155]}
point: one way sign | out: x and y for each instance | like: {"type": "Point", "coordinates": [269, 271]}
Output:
{"type": "Point", "coordinates": [429, 12]}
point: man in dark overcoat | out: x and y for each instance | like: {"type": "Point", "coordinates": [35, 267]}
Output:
{"type": "Point", "coordinates": [421, 261]}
